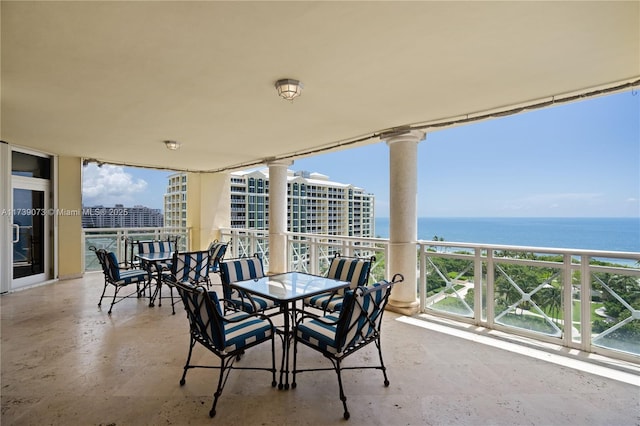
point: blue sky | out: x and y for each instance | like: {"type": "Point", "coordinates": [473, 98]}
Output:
{"type": "Point", "coordinates": [574, 160]}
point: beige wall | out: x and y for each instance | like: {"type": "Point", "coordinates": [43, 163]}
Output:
{"type": "Point", "coordinates": [208, 207]}
{"type": "Point", "coordinates": [69, 227]}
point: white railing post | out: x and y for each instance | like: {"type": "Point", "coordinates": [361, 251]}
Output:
{"type": "Point", "coordinates": [585, 303]}
{"type": "Point", "coordinates": [313, 256]}
{"type": "Point", "coordinates": [567, 296]}
{"type": "Point", "coordinates": [477, 285]}
{"type": "Point", "coordinates": [490, 296]}
{"type": "Point", "coordinates": [422, 277]}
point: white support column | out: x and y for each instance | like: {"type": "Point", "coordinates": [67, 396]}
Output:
{"type": "Point", "coordinates": [278, 216]}
{"type": "Point", "coordinates": [403, 226]}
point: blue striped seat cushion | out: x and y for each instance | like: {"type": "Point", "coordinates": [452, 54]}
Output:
{"type": "Point", "coordinates": [123, 277]}
{"type": "Point", "coordinates": [326, 302]}
{"type": "Point", "coordinates": [240, 334]}
{"type": "Point", "coordinates": [132, 276]}
{"type": "Point", "coordinates": [245, 304]}
{"type": "Point", "coordinates": [319, 334]}
{"type": "Point", "coordinates": [237, 334]}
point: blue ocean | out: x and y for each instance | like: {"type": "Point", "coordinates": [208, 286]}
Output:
{"type": "Point", "coordinates": [610, 234]}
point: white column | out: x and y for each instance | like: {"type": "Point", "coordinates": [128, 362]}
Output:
{"type": "Point", "coordinates": [403, 222]}
{"type": "Point", "coordinates": [278, 216]}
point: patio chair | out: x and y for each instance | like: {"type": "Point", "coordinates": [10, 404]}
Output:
{"type": "Point", "coordinates": [186, 267]}
{"type": "Point", "coordinates": [226, 336]}
{"type": "Point", "coordinates": [217, 251]}
{"type": "Point", "coordinates": [240, 269]}
{"type": "Point", "coordinates": [353, 269]}
{"type": "Point", "coordinates": [336, 336]}
{"type": "Point", "coordinates": [119, 277]}
{"type": "Point", "coordinates": [130, 251]}
{"type": "Point", "coordinates": [157, 246]}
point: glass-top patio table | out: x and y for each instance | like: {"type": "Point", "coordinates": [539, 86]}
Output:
{"type": "Point", "coordinates": [155, 259]}
{"type": "Point", "coordinates": [287, 289]}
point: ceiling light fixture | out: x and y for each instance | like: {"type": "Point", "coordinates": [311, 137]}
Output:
{"type": "Point", "coordinates": [172, 145]}
{"type": "Point", "coordinates": [288, 88]}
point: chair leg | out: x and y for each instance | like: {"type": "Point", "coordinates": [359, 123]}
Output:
{"type": "Point", "coordinates": [113, 301]}
{"type": "Point", "coordinates": [224, 371]}
{"type": "Point", "coordinates": [173, 306]}
{"type": "Point", "coordinates": [186, 366]}
{"type": "Point", "coordinates": [382, 367]}
{"type": "Point", "coordinates": [103, 291]}
{"type": "Point", "coordinates": [343, 397]}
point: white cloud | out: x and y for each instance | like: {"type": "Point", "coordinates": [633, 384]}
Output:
{"type": "Point", "coordinates": [109, 185]}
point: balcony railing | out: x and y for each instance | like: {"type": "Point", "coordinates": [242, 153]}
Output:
{"type": "Point", "coordinates": [525, 291]}
{"type": "Point", "coordinates": [113, 239]}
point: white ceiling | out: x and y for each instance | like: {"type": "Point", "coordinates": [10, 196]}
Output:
{"type": "Point", "coordinates": [112, 80]}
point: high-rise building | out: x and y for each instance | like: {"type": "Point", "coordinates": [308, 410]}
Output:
{"type": "Point", "coordinates": [175, 201]}
{"type": "Point", "coordinates": [314, 203]}
{"type": "Point", "coordinates": [119, 216]}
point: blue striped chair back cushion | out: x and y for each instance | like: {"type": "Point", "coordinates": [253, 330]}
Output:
{"type": "Point", "coordinates": [203, 321]}
{"type": "Point", "coordinates": [102, 257]}
{"type": "Point", "coordinates": [348, 327]}
{"type": "Point", "coordinates": [121, 277]}
{"type": "Point", "coordinates": [155, 246]}
{"type": "Point", "coordinates": [363, 316]}
{"type": "Point", "coordinates": [212, 326]}
{"type": "Point", "coordinates": [353, 270]}
{"type": "Point", "coordinates": [112, 266]}
{"type": "Point", "coordinates": [190, 266]}
{"type": "Point", "coordinates": [239, 270]}
{"type": "Point", "coordinates": [216, 252]}
{"type": "Point", "coordinates": [242, 269]}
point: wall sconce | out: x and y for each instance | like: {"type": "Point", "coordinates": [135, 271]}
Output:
{"type": "Point", "coordinates": [172, 145]}
{"type": "Point", "coordinates": [288, 88]}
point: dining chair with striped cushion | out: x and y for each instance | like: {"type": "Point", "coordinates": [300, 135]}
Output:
{"type": "Point", "coordinates": [119, 277]}
{"type": "Point", "coordinates": [227, 337]}
{"type": "Point", "coordinates": [241, 269]}
{"type": "Point", "coordinates": [157, 246]}
{"type": "Point", "coordinates": [338, 335]}
{"type": "Point", "coordinates": [353, 269]}
{"type": "Point", "coordinates": [217, 250]}
{"type": "Point", "coordinates": [186, 267]}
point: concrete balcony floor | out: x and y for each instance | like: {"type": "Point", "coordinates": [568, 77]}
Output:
{"type": "Point", "coordinates": [66, 362]}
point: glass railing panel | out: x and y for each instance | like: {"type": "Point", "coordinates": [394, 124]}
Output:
{"type": "Point", "coordinates": [450, 280]}
{"type": "Point", "coordinates": [615, 305]}
{"type": "Point", "coordinates": [528, 289]}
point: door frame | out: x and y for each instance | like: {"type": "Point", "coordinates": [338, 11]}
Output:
{"type": "Point", "coordinates": [34, 184]}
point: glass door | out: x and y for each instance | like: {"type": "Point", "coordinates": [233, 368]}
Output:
{"type": "Point", "coordinates": [30, 231]}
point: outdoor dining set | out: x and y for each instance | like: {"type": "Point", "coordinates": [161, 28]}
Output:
{"type": "Point", "coordinates": [334, 315]}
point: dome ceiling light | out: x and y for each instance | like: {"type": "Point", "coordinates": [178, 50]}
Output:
{"type": "Point", "coordinates": [172, 145]}
{"type": "Point", "coordinates": [288, 88]}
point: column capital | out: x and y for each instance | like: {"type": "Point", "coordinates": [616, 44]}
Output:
{"type": "Point", "coordinates": [410, 136]}
{"type": "Point", "coordinates": [276, 163]}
